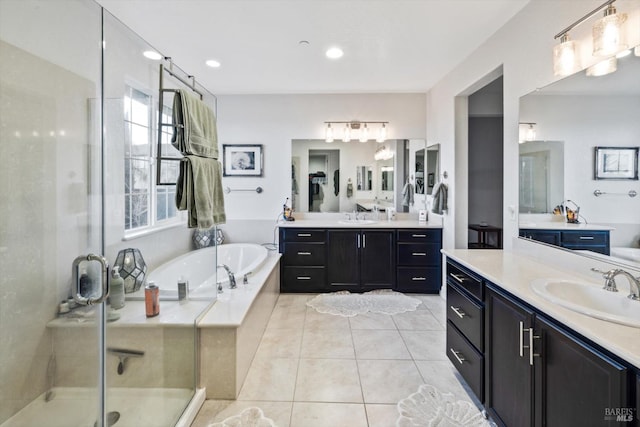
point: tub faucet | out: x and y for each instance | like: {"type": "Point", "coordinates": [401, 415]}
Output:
{"type": "Point", "coordinates": [610, 282]}
{"type": "Point", "coordinates": [232, 278]}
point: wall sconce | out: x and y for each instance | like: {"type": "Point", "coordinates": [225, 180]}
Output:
{"type": "Point", "coordinates": [526, 132]}
{"type": "Point", "coordinates": [608, 39]}
{"type": "Point", "coordinates": [356, 130]}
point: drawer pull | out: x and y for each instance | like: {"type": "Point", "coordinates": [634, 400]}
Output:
{"type": "Point", "coordinates": [459, 312]}
{"type": "Point", "coordinates": [304, 234]}
{"type": "Point", "coordinates": [303, 278]}
{"type": "Point", "coordinates": [522, 346]}
{"type": "Point", "coordinates": [457, 355]}
{"type": "Point", "coordinates": [586, 237]}
{"type": "Point", "coordinates": [457, 277]}
{"type": "Point", "coordinates": [418, 235]}
{"type": "Point", "coordinates": [419, 253]}
{"type": "Point", "coordinates": [418, 279]}
{"type": "Point", "coordinates": [304, 253]}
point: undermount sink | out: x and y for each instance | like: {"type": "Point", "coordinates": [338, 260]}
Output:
{"type": "Point", "coordinates": [590, 299]}
{"type": "Point", "coordinates": [358, 221]}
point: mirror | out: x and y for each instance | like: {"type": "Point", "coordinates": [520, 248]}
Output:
{"type": "Point", "coordinates": [364, 178]}
{"type": "Point", "coordinates": [433, 166]}
{"type": "Point", "coordinates": [572, 117]}
{"type": "Point", "coordinates": [346, 176]}
{"type": "Point", "coordinates": [419, 171]}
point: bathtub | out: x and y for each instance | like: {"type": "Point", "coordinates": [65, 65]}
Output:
{"type": "Point", "coordinates": [629, 254]}
{"type": "Point", "coordinates": [198, 268]}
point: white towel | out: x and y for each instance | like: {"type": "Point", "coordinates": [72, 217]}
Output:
{"type": "Point", "coordinates": [407, 195]}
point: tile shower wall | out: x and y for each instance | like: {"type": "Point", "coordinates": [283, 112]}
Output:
{"type": "Point", "coordinates": [45, 144]}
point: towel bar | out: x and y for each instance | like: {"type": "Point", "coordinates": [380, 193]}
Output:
{"type": "Point", "coordinates": [229, 190]}
{"type": "Point", "coordinates": [631, 193]}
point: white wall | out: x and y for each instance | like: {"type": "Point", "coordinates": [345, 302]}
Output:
{"type": "Point", "coordinates": [276, 120]}
{"type": "Point", "coordinates": [522, 52]}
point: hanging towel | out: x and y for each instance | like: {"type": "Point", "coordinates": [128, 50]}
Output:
{"type": "Point", "coordinates": [407, 195]}
{"type": "Point", "coordinates": [349, 189]}
{"type": "Point", "coordinates": [199, 191]}
{"type": "Point", "coordinates": [196, 131]}
{"type": "Point", "coordinates": [439, 204]}
{"type": "Point", "coordinates": [336, 182]}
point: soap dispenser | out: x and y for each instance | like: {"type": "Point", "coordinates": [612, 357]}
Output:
{"type": "Point", "coordinates": [116, 289]}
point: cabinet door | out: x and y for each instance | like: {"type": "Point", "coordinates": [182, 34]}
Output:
{"type": "Point", "coordinates": [575, 384]}
{"type": "Point", "coordinates": [343, 262]}
{"type": "Point", "coordinates": [377, 266]}
{"type": "Point", "coordinates": [509, 374]}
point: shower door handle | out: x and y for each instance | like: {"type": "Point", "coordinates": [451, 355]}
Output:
{"type": "Point", "coordinates": [104, 283]}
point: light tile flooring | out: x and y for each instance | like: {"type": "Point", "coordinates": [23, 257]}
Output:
{"type": "Point", "coordinates": [320, 370]}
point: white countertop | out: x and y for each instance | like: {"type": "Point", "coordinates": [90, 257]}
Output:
{"type": "Point", "coordinates": [514, 272]}
{"type": "Point", "coordinates": [335, 223]}
{"type": "Point", "coordinates": [563, 226]}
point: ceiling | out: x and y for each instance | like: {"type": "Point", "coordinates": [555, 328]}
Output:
{"type": "Point", "coordinates": [389, 45]}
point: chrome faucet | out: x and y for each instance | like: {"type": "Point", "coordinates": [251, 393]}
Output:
{"type": "Point", "coordinates": [610, 282]}
{"type": "Point", "coordinates": [232, 278]}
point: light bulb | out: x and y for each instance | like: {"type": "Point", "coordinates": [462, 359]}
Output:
{"type": "Point", "coordinates": [565, 57]}
{"type": "Point", "coordinates": [347, 133]}
{"type": "Point", "coordinates": [382, 135]}
{"type": "Point", "coordinates": [364, 134]}
{"type": "Point", "coordinates": [608, 37]}
{"type": "Point", "coordinates": [329, 133]}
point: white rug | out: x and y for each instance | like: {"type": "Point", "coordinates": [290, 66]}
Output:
{"type": "Point", "coordinates": [430, 408]}
{"type": "Point", "coordinates": [346, 304]}
{"type": "Point", "coordinates": [250, 417]}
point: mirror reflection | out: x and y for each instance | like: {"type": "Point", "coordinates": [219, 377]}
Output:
{"type": "Point", "coordinates": [348, 176]}
{"type": "Point", "coordinates": [558, 170]}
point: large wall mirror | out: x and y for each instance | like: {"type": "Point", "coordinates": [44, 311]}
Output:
{"type": "Point", "coordinates": [572, 117]}
{"type": "Point", "coordinates": [348, 176]}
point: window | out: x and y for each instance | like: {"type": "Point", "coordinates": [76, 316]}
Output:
{"type": "Point", "coordinates": [146, 205]}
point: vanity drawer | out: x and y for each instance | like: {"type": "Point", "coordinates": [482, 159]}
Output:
{"type": "Point", "coordinates": [302, 235]}
{"type": "Point", "coordinates": [418, 279]}
{"type": "Point", "coordinates": [309, 254]}
{"type": "Point", "coordinates": [467, 360]}
{"type": "Point", "coordinates": [466, 314]}
{"type": "Point", "coordinates": [303, 279]}
{"type": "Point", "coordinates": [464, 279]}
{"type": "Point", "coordinates": [420, 236]}
{"type": "Point", "coordinates": [418, 254]}
{"type": "Point", "coordinates": [584, 238]}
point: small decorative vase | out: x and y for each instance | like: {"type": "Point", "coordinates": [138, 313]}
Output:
{"type": "Point", "coordinates": [132, 269]}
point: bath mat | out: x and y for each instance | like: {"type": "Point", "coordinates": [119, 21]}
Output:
{"type": "Point", "coordinates": [428, 407]}
{"type": "Point", "coordinates": [344, 303]}
{"type": "Point", "coordinates": [250, 417]}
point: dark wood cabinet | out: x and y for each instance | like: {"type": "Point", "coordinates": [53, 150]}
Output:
{"type": "Point", "coordinates": [509, 392]}
{"type": "Point", "coordinates": [303, 263]}
{"type": "Point", "coordinates": [575, 383]}
{"type": "Point", "coordinates": [541, 374]}
{"type": "Point", "coordinates": [361, 260]}
{"type": "Point", "coordinates": [589, 240]}
{"type": "Point", "coordinates": [419, 266]}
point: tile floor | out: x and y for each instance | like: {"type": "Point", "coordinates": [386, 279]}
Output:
{"type": "Point", "coordinates": [320, 370]}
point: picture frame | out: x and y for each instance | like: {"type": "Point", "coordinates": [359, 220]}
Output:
{"type": "Point", "coordinates": [616, 163]}
{"type": "Point", "coordinates": [242, 160]}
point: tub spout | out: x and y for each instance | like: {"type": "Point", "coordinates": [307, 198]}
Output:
{"type": "Point", "coordinates": [232, 278]}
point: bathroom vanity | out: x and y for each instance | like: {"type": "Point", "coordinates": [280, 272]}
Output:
{"type": "Point", "coordinates": [528, 360]}
{"type": "Point", "coordinates": [359, 256]}
{"type": "Point", "coordinates": [585, 237]}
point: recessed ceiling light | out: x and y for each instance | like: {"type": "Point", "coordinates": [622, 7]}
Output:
{"type": "Point", "coordinates": [152, 54]}
{"type": "Point", "coordinates": [334, 53]}
{"type": "Point", "coordinates": [212, 63]}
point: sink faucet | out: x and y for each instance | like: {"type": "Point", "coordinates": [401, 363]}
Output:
{"type": "Point", "coordinates": [610, 282]}
{"type": "Point", "coordinates": [232, 278]}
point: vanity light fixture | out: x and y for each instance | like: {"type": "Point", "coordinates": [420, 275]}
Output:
{"type": "Point", "coordinates": [383, 153]}
{"type": "Point", "coordinates": [356, 129]}
{"type": "Point", "coordinates": [603, 68]}
{"type": "Point", "coordinates": [526, 132]}
{"type": "Point", "coordinates": [608, 34]}
{"type": "Point", "coordinates": [328, 136]}
{"type": "Point", "coordinates": [608, 39]}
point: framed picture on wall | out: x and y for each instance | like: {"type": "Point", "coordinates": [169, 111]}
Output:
{"type": "Point", "coordinates": [616, 163]}
{"type": "Point", "coordinates": [242, 160]}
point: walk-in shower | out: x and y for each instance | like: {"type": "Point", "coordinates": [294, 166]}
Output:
{"type": "Point", "coordinates": [78, 116]}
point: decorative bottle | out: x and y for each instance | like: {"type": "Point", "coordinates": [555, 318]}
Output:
{"type": "Point", "coordinates": [116, 289]}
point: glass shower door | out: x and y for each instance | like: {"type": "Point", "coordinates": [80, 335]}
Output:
{"type": "Point", "coordinates": [51, 368]}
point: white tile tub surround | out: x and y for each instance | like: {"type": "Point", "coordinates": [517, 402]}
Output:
{"type": "Point", "coordinates": [230, 332]}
